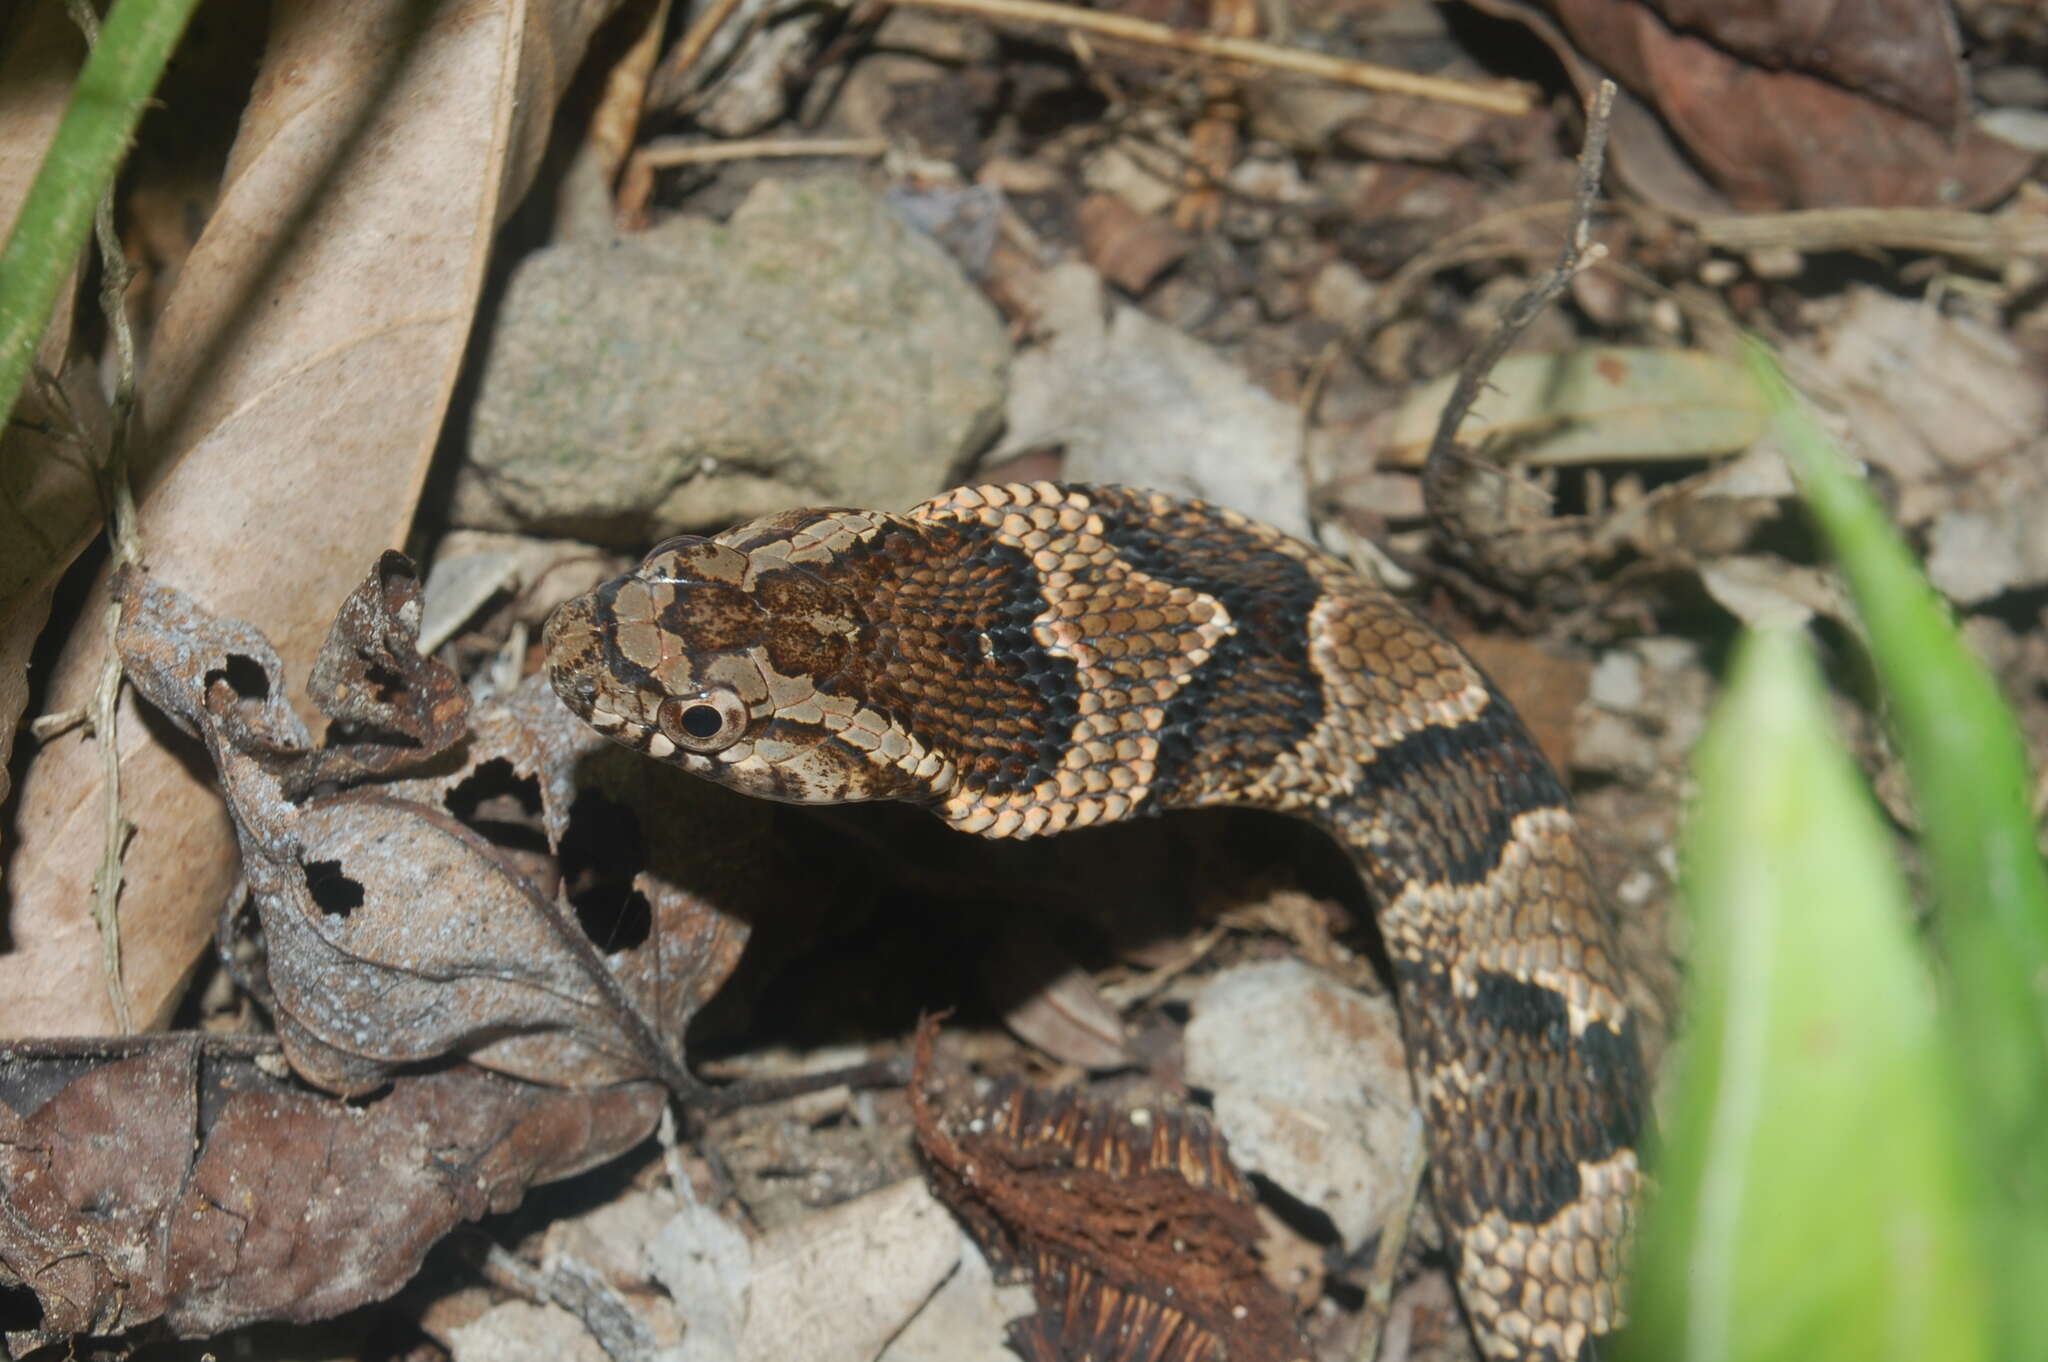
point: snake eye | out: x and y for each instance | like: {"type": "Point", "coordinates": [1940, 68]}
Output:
{"type": "Point", "coordinates": [703, 723]}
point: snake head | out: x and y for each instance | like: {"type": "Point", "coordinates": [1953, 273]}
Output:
{"type": "Point", "coordinates": [729, 665]}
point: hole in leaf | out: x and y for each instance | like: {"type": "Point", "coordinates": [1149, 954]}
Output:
{"type": "Point", "coordinates": [245, 677]}
{"type": "Point", "coordinates": [388, 684]}
{"type": "Point", "coordinates": [614, 917]}
{"type": "Point", "coordinates": [501, 806]}
{"type": "Point", "coordinates": [602, 851]}
{"type": "Point", "coordinates": [20, 1310]}
{"type": "Point", "coordinates": [335, 893]}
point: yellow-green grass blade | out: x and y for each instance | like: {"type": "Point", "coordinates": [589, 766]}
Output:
{"type": "Point", "coordinates": [1968, 771]}
{"type": "Point", "coordinates": [113, 87]}
{"type": "Point", "coordinates": [1814, 1199]}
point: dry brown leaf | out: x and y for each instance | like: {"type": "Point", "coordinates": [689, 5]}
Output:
{"type": "Point", "coordinates": [1753, 127]}
{"type": "Point", "coordinates": [1128, 248]}
{"type": "Point", "coordinates": [46, 499]}
{"type": "Point", "coordinates": [1699, 131]}
{"type": "Point", "coordinates": [294, 393]}
{"type": "Point", "coordinates": [397, 930]}
{"type": "Point", "coordinates": [1934, 400]}
{"type": "Point", "coordinates": [178, 1178]}
{"type": "Point", "coordinates": [36, 69]}
{"type": "Point", "coordinates": [1049, 1001]}
{"type": "Point", "coordinates": [501, 912]}
{"type": "Point", "coordinates": [1904, 52]}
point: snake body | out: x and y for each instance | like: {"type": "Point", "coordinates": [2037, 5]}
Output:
{"type": "Point", "coordinates": [1029, 658]}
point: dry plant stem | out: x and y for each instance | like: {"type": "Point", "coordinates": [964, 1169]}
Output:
{"type": "Point", "coordinates": [1379, 1287]}
{"type": "Point", "coordinates": [1130, 993]}
{"type": "Point", "coordinates": [672, 1157]}
{"type": "Point", "coordinates": [1976, 236]}
{"type": "Point", "coordinates": [115, 276]}
{"type": "Point", "coordinates": [1525, 309]}
{"type": "Point", "coordinates": [1479, 241]}
{"type": "Point", "coordinates": [1311, 399]}
{"type": "Point", "coordinates": [576, 1287]}
{"type": "Point", "coordinates": [1496, 98]}
{"type": "Point", "coordinates": [753, 1092]}
{"type": "Point", "coordinates": [662, 154]}
{"type": "Point", "coordinates": [698, 38]}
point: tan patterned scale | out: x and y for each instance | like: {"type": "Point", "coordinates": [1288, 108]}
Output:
{"type": "Point", "coordinates": [1134, 642]}
{"type": "Point", "coordinates": [1029, 658]}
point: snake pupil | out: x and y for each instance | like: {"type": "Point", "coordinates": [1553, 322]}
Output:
{"type": "Point", "coordinates": [702, 721]}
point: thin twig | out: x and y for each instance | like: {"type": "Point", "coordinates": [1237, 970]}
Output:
{"type": "Point", "coordinates": [749, 1092]}
{"type": "Point", "coordinates": [580, 1289]}
{"type": "Point", "coordinates": [693, 44]}
{"type": "Point", "coordinates": [1481, 240]}
{"type": "Point", "coordinates": [1443, 450]}
{"type": "Point", "coordinates": [1379, 1288]}
{"type": "Point", "coordinates": [1948, 231]}
{"type": "Point", "coordinates": [115, 277]}
{"type": "Point", "coordinates": [663, 153]}
{"type": "Point", "coordinates": [672, 1157]}
{"type": "Point", "coordinates": [1495, 97]}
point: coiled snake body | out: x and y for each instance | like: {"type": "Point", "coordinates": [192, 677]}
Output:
{"type": "Point", "coordinates": [1025, 659]}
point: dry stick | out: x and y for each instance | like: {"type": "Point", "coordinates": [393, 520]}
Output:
{"type": "Point", "coordinates": [1500, 97]}
{"type": "Point", "coordinates": [697, 39]}
{"type": "Point", "coordinates": [115, 276]}
{"type": "Point", "coordinates": [580, 1289]}
{"type": "Point", "coordinates": [1945, 230]}
{"type": "Point", "coordinates": [1379, 1285]}
{"type": "Point", "coordinates": [1443, 449]}
{"type": "Point", "coordinates": [661, 154]}
{"type": "Point", "coordinates": [1477, 241]}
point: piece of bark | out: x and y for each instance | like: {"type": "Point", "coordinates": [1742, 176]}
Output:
{"type": "Point", "coordinates": [1137, 1234]}
{"type": "Point", "coordinates": [180, 1179]}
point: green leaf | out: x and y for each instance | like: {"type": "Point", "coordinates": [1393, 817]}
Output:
{"type": "Point", "coordinates": [113, 86]}
{"type": "Point", "coordinates": [1968, 771]}
{"type": "Point", "coordinates": [1594, 403]}
{"type": "Point", "coordinates": [1814, 1202]}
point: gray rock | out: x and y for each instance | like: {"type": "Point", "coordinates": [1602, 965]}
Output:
{"type": "Point", "coordinates": [1135, 401]}
{"type": "Point", "coordinates": [812, 351]}
{"type": "Point", "coordinates": [1311, 1090]}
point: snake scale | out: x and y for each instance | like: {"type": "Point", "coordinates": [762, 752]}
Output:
{"type": "Point", "coordinates": [1028, 658]}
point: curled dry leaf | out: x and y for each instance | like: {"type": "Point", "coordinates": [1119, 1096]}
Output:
{"type": "Point", "coordinates": [178, 1178]}
{"type": "Point", "coordinates": [1135, 1230]}
{"type": "Point", "coordinates": [1051, 1002]}
{"type": "Point", "coordinates": [390, 706]}
{"type": "Point", "coordinates": [1903, 52]}
{"type": "Point", "coordinates": [294, 393]}
{"type": "Point", "coordinates": [1704, 128]}
{"type": "Point", "coordinates": [398, 930]}
{"type": "Point", "coordinates": [1753, 130]}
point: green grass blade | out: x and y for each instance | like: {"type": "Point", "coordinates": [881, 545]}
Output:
{"type": "Point", "coordinates": [1813, 1199]}
{"type": "Point", "coordinates": [113, 86]}
{"type": "Point", "coordinates": [1967, 766]}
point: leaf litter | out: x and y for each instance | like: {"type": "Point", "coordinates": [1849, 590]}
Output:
{"type": "Point", "coordinates": [493, 1038]}
{"type": "Point", "coordinates": [1292, 274]}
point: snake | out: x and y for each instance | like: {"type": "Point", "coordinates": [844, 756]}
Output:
{"type": "Point", "coordinates": [1027, 658]}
